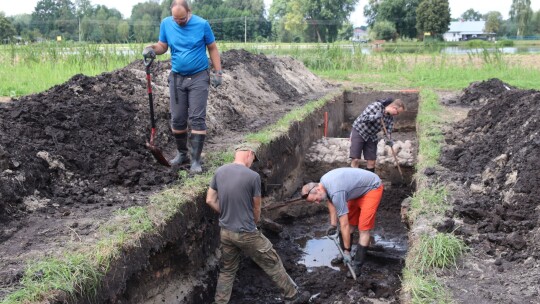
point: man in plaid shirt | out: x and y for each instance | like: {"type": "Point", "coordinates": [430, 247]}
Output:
{"type": "Point", "coordinates": [365, 128]}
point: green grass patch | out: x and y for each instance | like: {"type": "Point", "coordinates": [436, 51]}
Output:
{"type": "Point", "coordinates": [425, 289]}
{"type": "Point", "coordinates": [429, 133]}
{"type": "Point", "coordinates": [282, 126]}
{"type": "Point", "coordinates": [437, 251]}
{"type": "Point", "coordinates": [429, 201]}
{"type": "Point", "coordinates": [71, 275]}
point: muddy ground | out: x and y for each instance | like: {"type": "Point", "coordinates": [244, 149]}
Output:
{"type": "Point", "coordinates": [491, 165]}
{"type": "Point", "coordinates": [73, 155]}
{"type": "Point", "coordinates": [380, 279]}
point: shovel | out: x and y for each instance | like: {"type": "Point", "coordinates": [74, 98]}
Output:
{"type": "Point", "coordinates": [158, 155]}
{"type": "Point", "coordinates": [336, 241]}
{"type": "Point", "coordinates": [393, 152]}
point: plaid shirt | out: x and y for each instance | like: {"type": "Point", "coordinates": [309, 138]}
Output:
{"type": "Point", "coordinates": [368, 124]}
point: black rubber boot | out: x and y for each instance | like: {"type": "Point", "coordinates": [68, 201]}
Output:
{"type": "Point", "coordinates": [197, 143]}
{"type": "Point", "coordinates": [182, 156]}
{"type": "Point", "coordinates": [359, 259]}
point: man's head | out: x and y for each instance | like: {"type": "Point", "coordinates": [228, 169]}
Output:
{"type": "Point", "coordinates": [180, 12]}
{"type": "Point", "coordinates": [245, 153]}
{"type": "Point", "coordinates": [314, 192]}
{"type": "Point", "coordinates": [395, 108]}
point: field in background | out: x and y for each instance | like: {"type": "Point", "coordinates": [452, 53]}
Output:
{"type": "Point", "coordinates": [35, 68]}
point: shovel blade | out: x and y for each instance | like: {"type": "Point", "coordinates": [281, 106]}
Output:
{"type": "Point", "coordinates": [158, 155]}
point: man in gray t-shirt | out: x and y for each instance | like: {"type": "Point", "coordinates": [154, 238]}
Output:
{"type": "Point", "coordinates": [352, 196]}
{"type": "Point", "coordinates": [235, 193]}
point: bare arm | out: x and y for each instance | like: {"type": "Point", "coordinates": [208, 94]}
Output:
{"type": "Point", "coordinates": [214, 56]}
{"type": "Point", "coordinates": [345, 230]}
{"type": "Point", "coordinates": [212, 199]}
{"type": "Point", "coordinates": [159, 47]}
{"type": "Point", "coordinates": [257, 209]}
{"type": "Point", "coordinates": [333, 213]}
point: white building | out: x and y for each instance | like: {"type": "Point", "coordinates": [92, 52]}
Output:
{"type": "Point", "coordinates": [467, 30]}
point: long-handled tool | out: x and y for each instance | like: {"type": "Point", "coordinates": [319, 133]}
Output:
{"type": "Point", "coordinates": [334, 238]}
{"type": "Point", "coordinates": [289, 202]}
{"type": "Point", "coordinates": [158, 155]}
{"type": "Point", "coordinates": [392, 148]}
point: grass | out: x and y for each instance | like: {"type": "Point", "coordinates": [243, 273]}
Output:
{"type": "Point", "coordinates": [282, 125]}
{"type": "Point", "coordinates": [437, 251]}
{"type": "Point", "coordinates": [429, 201]}
{"type": "Point", "coordinates": [425, 289]}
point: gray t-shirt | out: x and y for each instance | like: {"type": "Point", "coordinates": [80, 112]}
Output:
{"type": "Point", "coordinates": [344, 184]}
{"type": "Point", "coordinates": [236, 186]}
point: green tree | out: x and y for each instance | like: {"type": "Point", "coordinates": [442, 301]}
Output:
{"type": "Point", "coordinates": [384, 29]}
{"type": "Point", "coordinates": [55, 17]}
{"type": "Point", "coordinates": [122, 32]}
{"type": "Point", "coordinates": [402, 13]}
{"type": "Point", "coordinates": [433, 16]}
{"type": "Point", "coordinates": [7, 30]}
{"type": "Point", "coordinates": [329, 16]}
{"type": "Point", "coordinates": [21, 23]}
{"type": "Point", "coordinates": [346, 32]}
{"type": "Point", "coordinates": [370, 12]}
{"type": "Point", "coordinates": [535, 24]}
{"type": "Point", "coordinates": [471, 15]}
{"type": "Point", "coordinates": [521, 13]}
{"type": "Point", "coordinates": [493, 22]}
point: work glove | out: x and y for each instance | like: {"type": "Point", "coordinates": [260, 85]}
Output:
{"type": "Point", "coordinates": [149, 53]}
{"type": "Point", "coordinates": [389, 142]}
{"type": "Point", "coordinates": [347, 259]}
{"type": "Point", "coordinates": [331, 230]}
{"type": "Point", "coordinates": [217, 78]}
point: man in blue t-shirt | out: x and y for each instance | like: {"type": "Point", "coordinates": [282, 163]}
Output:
{"type": "Point", "coordinates": [188, 36]}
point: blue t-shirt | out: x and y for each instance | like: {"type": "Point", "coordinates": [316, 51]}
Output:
{"type": "Point", "coordinates": [187, 43]}
{"type": "Point", "coordinates": [345, 184]}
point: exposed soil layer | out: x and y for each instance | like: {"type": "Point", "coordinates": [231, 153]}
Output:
{"type": "Point", "coordinates": [492, 166]}
{"type": "Point", "coordinates": [71, 156]}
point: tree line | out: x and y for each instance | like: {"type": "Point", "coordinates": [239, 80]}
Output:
{"type": "Point", "coordinates": [239, 20]}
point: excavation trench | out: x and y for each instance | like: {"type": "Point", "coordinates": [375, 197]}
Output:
{"type": "Point", "coordinates": [185, 268]}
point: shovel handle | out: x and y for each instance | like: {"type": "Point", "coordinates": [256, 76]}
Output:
{"type": "Point", "coordinates": [335, 239]}
{"type": "Point", "coordinates": [392, 148]}
{"type": "Point", "coordinates": [147, 63]}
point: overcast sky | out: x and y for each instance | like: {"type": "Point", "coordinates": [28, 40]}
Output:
{"type": "Point", "coordinates": [457, 7]}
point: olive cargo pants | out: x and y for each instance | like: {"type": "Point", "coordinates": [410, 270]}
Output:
{"type": "Point", "coordinates": [256, 246]}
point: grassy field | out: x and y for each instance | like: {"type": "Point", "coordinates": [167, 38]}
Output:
{"type": "Point", "coordinates": [35, 68]}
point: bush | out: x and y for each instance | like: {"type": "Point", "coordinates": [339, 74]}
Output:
{"type": "Point", "coordinates": [504, 43]}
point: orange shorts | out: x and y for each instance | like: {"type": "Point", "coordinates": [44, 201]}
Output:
{"type": "Point", "coordinates": [362, 210]}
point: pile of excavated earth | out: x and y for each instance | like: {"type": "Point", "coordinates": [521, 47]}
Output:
{"type": "Point", "coordinates": [491, 164]}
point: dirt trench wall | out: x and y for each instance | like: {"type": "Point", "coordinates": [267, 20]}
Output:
{"type": "Point", "coordinates": [181, 257]}
{"type": "Point", "coordinates": [283, 158]}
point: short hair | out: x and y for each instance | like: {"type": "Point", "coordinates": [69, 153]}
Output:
{"type": "Point", "coordinates": [183, 3]}
{"type": "Point", "coordinates": [308, 187]}
{"type": "Point", "coordinates": [398, 103]}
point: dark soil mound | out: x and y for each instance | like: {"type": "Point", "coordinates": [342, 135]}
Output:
{"type": "Point", "coordinates": [478, 93]}
{"type": "Point", "coordinates": [496, 153]}
{"type": "Point", "coordinates": [493, 172]}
